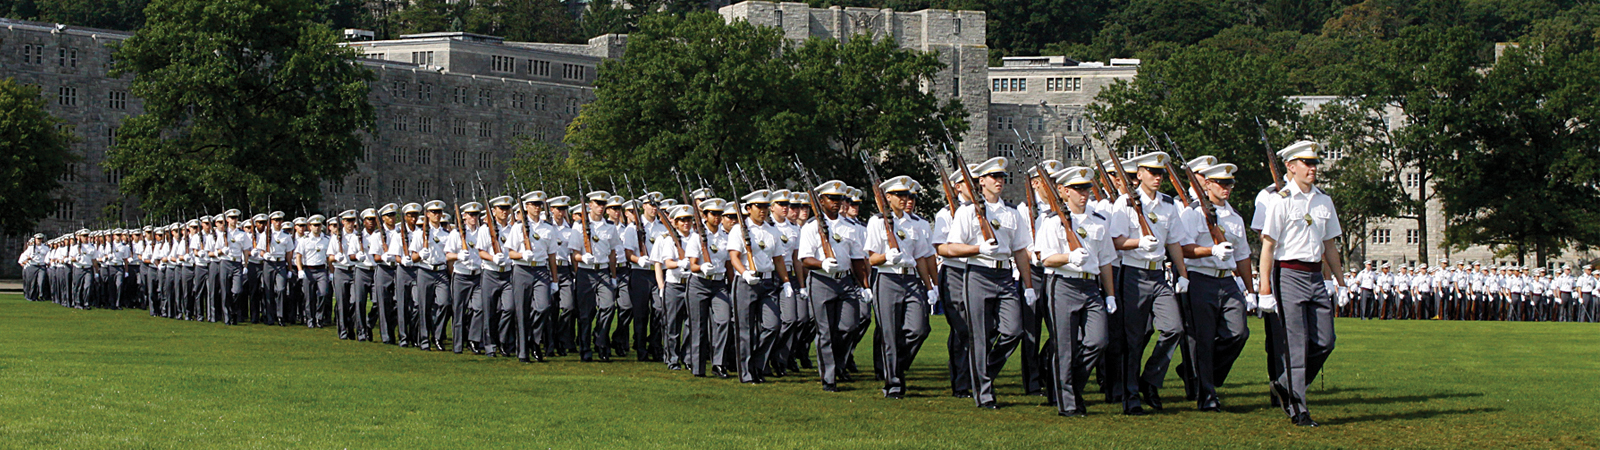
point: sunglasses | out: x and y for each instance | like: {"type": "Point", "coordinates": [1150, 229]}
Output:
{"type": "Point", "coordinates": [1224, 182]}
{"type": "Point", "coordinates": [1157, 172]}
{"type": "Point", "coordinates": [1080, 187]}
{"type": "Point", "coordinates": [837, 198]}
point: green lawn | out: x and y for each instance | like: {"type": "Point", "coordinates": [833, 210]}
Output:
{"type": "Point", "coordinates": [99, 379]}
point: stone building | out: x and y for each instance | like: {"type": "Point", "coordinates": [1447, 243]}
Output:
{"type": "Point", "coordinates": [448, 106]}
{"type": "Point", "coordinates": [957, 36]}
{"type": "Point", "coordinates": [1038, 105]}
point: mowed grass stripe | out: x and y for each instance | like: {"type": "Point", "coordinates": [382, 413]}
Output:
{"type": "Point", "coordinates": [122, 379]}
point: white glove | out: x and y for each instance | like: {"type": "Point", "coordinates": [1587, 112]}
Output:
{"type": "Point", "coordinates": [1331, 286]}
{"type": "Point", "coordinates": [750, 277]}
{"type": "Point", "coordinates": [710, 269]}
{"type": "Point", "coordinates": [866, 296]}
{"type": "Point", "coordinates": [933, 299]}
{"type": "Point", "coordinates": [1183, 285]}
{"type": "Point", "coordinates": [1149, 243]}
{"type": "Point", "coordinates": [301, 275]}
{"type": "Point", "coordinates": [1240, 281]}
{"type": "Point", "coordinates": [788, 290]}
{"type": "Point", "coordinates": [661, 292]}
{"type": "Point", "coordinates": [503, 259]}
{"type": "Point", "coordinates": [588, 258]}
{"type": "Point", "coordinates": [246, 271]}
{"type": "Point", "coordinates": [1111, 304]}
{"type": "Point", "coordinates": [1030, 296]}
{"type": "Point", "coordinates": [894, 257]}
{"type": "Point", "coordinates": [425, 254]}
{"type": "Point", "coordinates": [1223, 252]}
{"type": "Point", "coordinates": [1078, 257]}
{"type": "Point", "coordinates": [830, 265]}
{"type": "Point", "coordinates": [1267, 303]}
{"type": "Point", "coordinates": [644, 260]}
{"type": "Point", "coordinates": [991, 248]}
{"type": "Point", "coordinates": [805, 293]}
{"type": "Point", "coordinates": [1250, 302]}
{"type": "Point", "coordinates": [554, 288]}
{"type": "Point", "coordinates": [1343, 297]}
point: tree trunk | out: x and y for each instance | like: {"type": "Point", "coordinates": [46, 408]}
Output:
{"type": "Point", "coordinates": [1422, 217]}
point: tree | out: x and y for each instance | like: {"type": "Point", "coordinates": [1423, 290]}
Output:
{"type": "Point", "coordinates": [35, 148]}
{"type": "Point", "coordinates": [245, 101]}
{"type": "Point", "coordinates": [1362, 182]}
{"type": "Point", "coordinates": [429, 16]}
{"type": "Point", "coordinates": [524, 20]}
{"type": "Point", "coordinates": [110, 14]}
{"type": "Point", "coordinates": [694, 93]}
{"type": "Point", "coordinates": [1208, 102]}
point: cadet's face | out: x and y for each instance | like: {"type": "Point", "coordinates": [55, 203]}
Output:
{"type": "Point", "coordinates": [897, 200]}
{"type": "Point", "coordinates": [1077, 195]}
{"type": "Point", "coordinates": [758, 212]}
{"type": "Point", "coordinates": [434, 216]}
{"type": "Point", "coordinates": [780, 210]}
{"type": "Point", "coordinates": [1150, 178]}
{"type": "Point", "coordinates": [1219, 188]}
{"type": "Point", "coordinates": [1303, 170]}
{"type": "Point", "coordinates": [683, 224]}
{"type": "Point", "coordinates": [471, 221]}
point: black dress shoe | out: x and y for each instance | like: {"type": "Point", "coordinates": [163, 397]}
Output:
{"type": "Point", "coordinates": [1152, 398]}
{"type": "Point", "coordinates": [526, 360]}
{"type": "Point", "coordinates": [720, 372]}
{"type": "Point", "coordinates": [894, 395]}
{"type": "Point", "coordinates": [845, 377]}
{"type": "Point", "coordinates": [1134, 411]}
{"type": "Point", "coordinates": [962, 394]}
{"type": "Point", "coordinates": [675, 367]}
{"type": "Point", "coordinates": [1037, 392]}
{"type": "Point", "coordinates": [1304, 420]}
{"type": "Point", "coordinates": [830, 387]}
{"type": "Point", "coordinates": [989, 405]}
{"type": "Point", "coordinates": [1073, 413]}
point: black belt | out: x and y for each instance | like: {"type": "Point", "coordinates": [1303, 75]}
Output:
{"type": "Point", "coordinates": [324, 266]}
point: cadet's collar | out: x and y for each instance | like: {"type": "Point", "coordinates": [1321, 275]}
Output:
{"type": "Point", "coordinates": [1294, 188]}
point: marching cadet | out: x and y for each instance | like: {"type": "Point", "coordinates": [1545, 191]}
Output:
{"type": "Point", "coordinates": [901, 289]}
{"type": "Point", "coordinates": [342, 244]}
{"type": "Point", "coordinates": [275, 248]}
{"type": "Point", "coordinates": [1422, 292]}
{"type": "Point", "coordinates": [405, 274]}
{"type": "Point", "coordinates": [952, 297]}
{"type": "Point", "coordinates": [311, 259]}
{"type": "Point", "coordinates": [1563, 287]}
{"type": "Point", "coordinates": [462, 251]}
{"type": "Point", "coordinates": [710, 309]}
{"type": "Point", "coordinates": [1385, 280]}
{"type": "Point", "coordinates": [1367, 280]}
{"type": "Point", "coordinates": [760, 284]}
{"type": "Point", "coordinates": [622, 213]}
{"type": "Point", "coordinates": [593, 288]}
{"type": "Point", "coordinates": [671, 267]}
{"type": "Point", "coordinates": [852, 213]}
{"type": "Point", "coordinates": [359, 245]}
{"type": "Point", "coordinates": [560, 332]}
{"type": "Point", "coordinates": [236, 245]}
{"type": "Point", "coordinates": [1297, 238]}
{"type": "Point", "coordinates": [994, 242]}
{"type": "Point", "coordinates": [495, 286]}
{"type": "Point", "coordinates": [1220, 272]}
{"type": "Point", "coordinates": [1078, 270]}
{"type": "Point", "coordinates": [385, 252]}
{"type": "Point", "coordinates": [1035, 377]}
{"type": "Point", "coordinates": [531, 248]}
{"type": "Point", "coordinates": [788, 304]}
{"type": "Point", "coordinates": [433, 278]}
{"type": "Point", "coordinates": [638, 243]}
{"type": "Point", "coordinates": [254, 266]}
{"type": "Point", "coordinates": [1148, 300]}
{"type": "Point", "coordinates": [1586, 287]}
{"type": "Point", "coordinates": [805, 329]}
{"type": "Point", "coordinates": [832, 253]}
{"type": "Point", "coordinates": [32, 262]}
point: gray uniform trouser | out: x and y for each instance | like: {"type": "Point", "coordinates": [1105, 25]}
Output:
{"type": "Point", "coordinates": [199, 292]}
{"type": "Point", "coordinates": [443, 307]}
{"type": "Point", "coordinates": [405, 280]}
{"type": "Point", "coordinates": [230, 290]}
{"type": "Point", "coordinates": [952, 293]}
{"type": "Point", "coordinates": [675, 312]}
{"type": "Point", "coordinates": [1076, 317]}
{"type": "Point", "coordinates": [596, 301]}
{"type": "Point", "coordinates": [463, 291]}
{"type": "Point", "coordinates": [30, 282]}
{"type": "Point", "coordinates": [525, 316]}
{"type": "Point", "coordinates": [994, 314]}
{"type": "Point", "coordinates": [1150, 306]}
{"type": "Point", "coordinates": [563, 320]}
{"type": "Point", "coordinates": [756, 318]}
{"type": "Point", "coordinates": [1035, 372]}
{"type": "Point", "coordinates": [795, 329]}
{"type": "Point", "coordinates": [1217, 332]}
{"type": "Point", "coordinates": [360, 288]}
{"type": "Point", "coordinates": [383, 287]}
{"type": "Point", "coordinates": [432, 294]}
{"type": "Point", "coordinates": [315, 288]}
{"type": "Point", "coordinates": [343, 311]}
{"type": "Point", "coordinates": [494, 289]}
{"type": "Point", "coordinates": [638, 308]}
{"type": "Point", "coordinates": [1306, 310]}
{"type": "Point", "coordinates": [835, 313]}
{"type": "Point", "coordinates": [702, 296]}
{"type": "Point", "coordinates": [902, 325]}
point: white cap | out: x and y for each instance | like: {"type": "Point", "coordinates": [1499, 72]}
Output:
{"type": "Point", "coordinates": [615, 200]}
{"type": "Point", "coordinates": [1301, 150]}
{"type": "Point", "coordinates": [434, 205]}
{"type": "Point", "coordinates": [1050, 166]}
{"type": "Point", "coordinates": [1153, 160]}
{"type": "Point", "coordinates": [713, 204]}
{"type": "Point", "coordinates": [759, 196]}
{"type": "Point", "coordinates": [534, 197]}
{"type": "Point", "coordinates": [1074, 175]}
{"type": "Point", "coordinates": [1219, 171]}
{"type": "Point", "coordinates": [1127, 166]}
{"type": "Point", "coordinates": [559, 202]}
{"type": "Point", "coordinates": [833, 187]}
{"type": "Point", "coordinates": [992, 166]}
{"type": "Point", "coordinates": [681, 211]}
{"type": "Point", "coordinates": [780, 196]}
{"type": "Point", "coordinates": [1200, 163]}
{"type": "Point", "coordinates": [702, 194]}
{"type": "Point", "coordinates": [598, 196]}
{"type": "Point", "coordinates": [897, 184]}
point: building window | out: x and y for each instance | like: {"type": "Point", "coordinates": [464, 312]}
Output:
{"type": "Point", "coordinates": [362, 185]}
{"type": "Point", "coordinates": [538, 68]}
{"type": "Point", "coordinates": [484, 129]}
{"type": "Point", "coordinates": [956, 25]}
{"type": "Point", "coordinates": [424, 188]}
{"type": "Point", "coordinates": [458, 127]}
{"type": "Point", "coordinates": [1010, 85]}
{"type": "Point", "coordinates": [955, 87]}
{"type": "Point", "coordinates": [1035, 124]}
{"type": "Point", "coordinates": [114, 176]}
{"type": "Point", "coordinates": [485, 98]}
{"type": "Point", "coordinates": [398, 155]}
{"type": "Point", "coordinates": [33, 53]}
{"type": "Point", "coordinates": [1413, 237]}
{"type": "Point", "coordinates": [399, 122]}
{"type": "Point", "coordinates": [458, 158]}
{"type": "Point", "coordinates": [1006, 150]}
{"type": "Point", "coordinates": [1073, 152]}
{"type": "Point", "coordinates": [459, 95]}
{"type": "Point", "coordinates": [1063, 84]}
{"type": "Point", "coordinates": [67, 96]}
{"type": "Point", "coordinates": [517, 129]}
{"type": "Point", "coordinates": [485, 159]}
{"type": "Point", "coordinates": [541, 133]}
{"type": "Point", "coordinates": [1380, 236]}
{"type": "Point", "coordinates": [1413, 179]}
{"type": "Point", "coordinates": [1333, 153]}
{"type": "Point", "coordinates": [502, 64]}
{"type": "Point", "coordinates": [117, 100]}
{"type": "Point", "coordinates": [365, 151]}
{"type": "Point", "coordinates": [574, 72]}
{"type": "Point", "coordinates": [778, 18]}
{"type": "Point", "coordinates": [519, 100]}
{"type": "Point", "coordinates": [572, 106]}
{"type": "Point", "coordinates": [335, 186]}
{"type": "Point", "coordinates": [424, 90]}
{"type": "Point", "coordinates": [424, 156]}
{"type": "Point", "coordinates": [377, 55]}
{"type": "Point", "coordinates": [65, 210]}
{"type": "Point", "coordinates": [398, 188]}
{"type": "Point", "coordinates": [541, 103]}
{"type": "Point", "coordinates": [422, 58]}
{"type": "Point", "coordinates": [111, 136]}
{"type": "Point", "coordinates": [69, 57]}
{"type": "Point", "coordinates": [1004, 122]}
{"type": "Point", "coordinates": [424, 124]}
{"type": "Point", "coordinates": [398, 89]}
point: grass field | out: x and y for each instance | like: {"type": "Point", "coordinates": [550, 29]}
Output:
{"type": "Point", "coordinates": [120, 379]}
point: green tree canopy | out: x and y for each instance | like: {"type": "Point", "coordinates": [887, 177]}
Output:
{"type": "Point", "coordinates": [245, 101]}
{"type": "Point", "coordinates": [35, 150]}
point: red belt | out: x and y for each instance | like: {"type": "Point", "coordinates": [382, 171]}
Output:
{"type": "Point", "coordinates": [1301, 266]}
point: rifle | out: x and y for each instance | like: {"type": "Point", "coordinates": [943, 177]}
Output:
{"type": "Point", "coordinates": [583, 222]}
{"type": "Point", "coordinates": [1272, 156]}
{"type": "Point", "coordinates": [1206, 208]}
{"type": "Point", "coordinates": [744, 228]}
{"type": "Point", "coordinates": [1032, 200]}
{"type": "Point", "coordinates": [977, 203]}
{"type": "Point", "coordinates": [1127, 185]}
{"type": "Point", "coordinates": [700, 225]}
{"type": "Point", "coordinates": [405, 228]}
{"type": "Point", "coordinates": [1183, 194]}
{"type": "Point", "coordinates": [816, 211]}
{"type": "Point", "coordinates": [455, 198]}
{"type": "Point", "coordinates": [881, 201]}
{"type": "Point", "coordinates": [1051, 197]}
{"type": "Point", "coordinates": [638, 219]}
{"type": "Point", "coordinates": [494, 236]}
{"type": "Point", "coordinates": [944, 181]}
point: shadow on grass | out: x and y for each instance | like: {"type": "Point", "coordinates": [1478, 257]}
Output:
{"type": "Point", "coordinates": [1399, 399]}
{"type": "Point", "coordinates": [1409, 415]}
